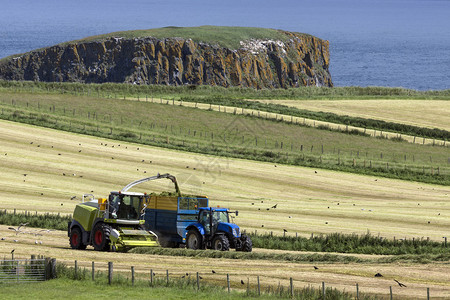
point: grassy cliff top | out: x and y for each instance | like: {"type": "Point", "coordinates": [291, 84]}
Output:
{"type": "Point", "coordinates": [224, 36]}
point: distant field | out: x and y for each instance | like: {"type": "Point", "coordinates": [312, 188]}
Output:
{"type": "Point", "coordinates": [216, 133]}
{"type": "Point", "coordinates": [422, 113]}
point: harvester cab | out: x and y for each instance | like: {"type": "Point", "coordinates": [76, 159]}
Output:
{"type": "Point", "coordinates": [215, 231]}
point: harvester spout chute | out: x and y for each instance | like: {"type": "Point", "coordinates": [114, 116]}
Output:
{"type": "Point", "coordinates": [159, 176]}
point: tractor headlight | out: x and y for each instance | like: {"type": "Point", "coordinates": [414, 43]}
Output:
{"type": "Point", "coordinates": [235, 232]}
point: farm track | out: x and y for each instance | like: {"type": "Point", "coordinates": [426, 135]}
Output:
{"type": "Point", "coordinates": [299, 120]}
{"type": "Point", "coordinates": [417, 277]}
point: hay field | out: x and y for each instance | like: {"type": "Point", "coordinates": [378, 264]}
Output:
{"type": "Point", "coordinates": [422, 113]}
{"type": "Point", "coordinates": [60, 165]}
{"type": "Point", "coordinates": [417, 277]}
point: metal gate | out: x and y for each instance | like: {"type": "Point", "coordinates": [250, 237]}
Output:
{"type": "Point", "coordinates": [22, 270]}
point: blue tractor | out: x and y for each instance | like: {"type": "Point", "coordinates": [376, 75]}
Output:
{"type": "Point", "coordinates": [213, 230]}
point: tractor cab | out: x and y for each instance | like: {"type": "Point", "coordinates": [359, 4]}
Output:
{"type": "Point", "coordinates": [126, 206]}
{"type": "Point", "coordinates": [210, 218]}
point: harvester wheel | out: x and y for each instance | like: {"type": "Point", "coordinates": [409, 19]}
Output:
{"type": "Point", "coordinates": [246, 244]}
{"type": "Point", "coordinates": [194, 240]}
{"type": "Point", "coordinates": [76, 239]}
{"type": "Point", "coordinates": [100, 238]}
{"type": "Point", "coordinates": [221, 243]}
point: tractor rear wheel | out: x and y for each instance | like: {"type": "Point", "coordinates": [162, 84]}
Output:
{"type": "Point", "coordinates": [246, 244]}
{"type": "Point", "coordinates": [221, 243]}
{"type": "Point", "coordinates": [100, 238]}
{"type": "Point", "coordinates": [76, 241]}
{"type": "Point", "coordinates": [194, 240]}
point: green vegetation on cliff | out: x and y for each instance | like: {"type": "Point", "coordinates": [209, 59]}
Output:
{"type": "Point", "coordinates": [224, 36]}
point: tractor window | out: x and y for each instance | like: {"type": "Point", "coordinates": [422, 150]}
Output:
{"type": "Point", "coordinates": [220, 217]}
{"type": "Point", "coordinates": [204, 220]}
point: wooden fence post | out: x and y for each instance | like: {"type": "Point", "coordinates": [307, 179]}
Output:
{"type": "Point", "coordinates": [323, 290]}
{"type": "Point", "coordinates": [390, 292]}
{"type": "Point", "coordinates": [259, 287]}
{"type": "Point", "coordinates": [110, 272]}
{"type": "Point", "coordinates": [428, 293]}
{"type": "Point", "coordinates": [228, 282]}
{"type": "Point", "coordinates": [357, 292]}
{"type": "Point", "coordinates": [292, 287]}
{"type": "Point", "coordinates": [93, 271]}
{"type": "Point", "coordinates": [132, 275]}
{"type": "Point", "coordinates": [198, 282]}
{"type": "Point", "coordinates": [76, 269]}
{"type": "Point", "coordinates": [151, 276]}
{"type": "Point", "coordinates": [167, 276]}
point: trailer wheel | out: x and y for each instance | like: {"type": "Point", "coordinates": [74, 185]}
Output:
{"type": "Point", "coordinates": [76, 239]}
{"type": "Point", "coordinates": [100, 238]}
{"type": "Point", "coordinates": [194, 240]}
{"type": "Point", "coordinates": [246, 244]}
{"type": "Point", "coordinates": [221, 243]}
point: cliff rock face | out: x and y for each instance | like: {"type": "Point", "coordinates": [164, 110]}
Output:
{"type": "Point", "coordinates": [302, 60]}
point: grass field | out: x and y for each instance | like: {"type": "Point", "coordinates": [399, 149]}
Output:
{"type": "Point", "coordinates": [229, 135]}
{"type": "Point", "coordinates": [321, 202]}
{"type": "Point", "coordinates": [342, 276]}
{"type": "Point", "coordinates": [422, 113]}
{"type": "Point", "coordinates": [56, 170]}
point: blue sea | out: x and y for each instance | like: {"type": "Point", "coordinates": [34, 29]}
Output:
{"type": "Point", "coordinates": [391, 43]}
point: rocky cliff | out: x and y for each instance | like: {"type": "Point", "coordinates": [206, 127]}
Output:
{"type": "Point", "coordinates": [298, 60]}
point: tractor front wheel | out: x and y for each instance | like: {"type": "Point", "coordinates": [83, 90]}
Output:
{"type": "Point", "coordinates": [100, 238]}
{"type": "Point", "coordinates": [221, 243]}
{"type": "Point", "coordinates": [76, 239]}
{"type": "Point", "coordinates": [193, 240]}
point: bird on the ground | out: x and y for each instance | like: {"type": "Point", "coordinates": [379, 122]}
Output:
{"type": "Point", "coordinates": [268, 208]}
{"type": "Point", "coordinates": [326, 222]}
{"type": "Point", "coordinates": [200, 277]}
{"type": "Point", "coordinates": [399, 283]}
{"type": "Point", "coordinates": [262, 201]}
{"type": "Point", "coordinates": [378, 275]}
{"type": "Point", "coordinates": [3, 239]}
{"type": "Point", "coordinates": [316, 268]}
{"type": "Point", "coordinates": [36, 242]}
{"type": "Point", "coordinates": [214, 272]}
{"type": "Point", "coordinates": [15, 241]}
{"type": "Point", "coordinates": [187, 274]}
{"type": "Point", "coordinates": [183, 276]}
{"type": "Point", "coordinates": [290, 217]}
{"type": "Point", "coordinates": [275, 206]}
{"type": "Point", "coordinates": [262, 225]}
{"type": "Point", "coordinates": [315, 172]}
{"type": "Point", "coordinates": [259, 208]}
{"type": "Point", "coordinates": [25, 175]}
{"type": "Point", "coordinates": [253, 203]}
{"type": "Point", "coordinates": [242, 281]}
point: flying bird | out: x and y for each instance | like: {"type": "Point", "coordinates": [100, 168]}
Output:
{"type": "Point", "coordinates": [316, 268]}
{"type": "Point", "coordinates": [399, 283]}
{"type": "Point", "coordinates": [242, 281]}
{"type": "Point", "coordinates": [214, 272]}
{"type": "Point", "coordinates": [73, 197]}
{"type": "Point", "coordinates": [12, 251]}
{"type": "Point", "coordinates": [378, 275]}
{"type": "Point", "coordinates": [275, 206]}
